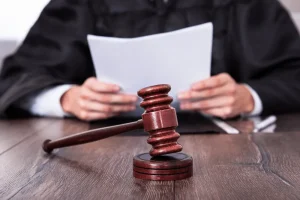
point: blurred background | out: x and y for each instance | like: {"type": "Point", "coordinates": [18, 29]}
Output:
{"type": "Point", "coordinates": [17, 16]}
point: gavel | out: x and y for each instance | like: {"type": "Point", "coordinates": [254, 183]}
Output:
{"type": "Point", "coordinates": [159, 120]}
{"type": "Point", "coordinates": [163, 162]}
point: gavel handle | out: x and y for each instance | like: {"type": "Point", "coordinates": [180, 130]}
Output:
{"type": "Point", "coordinates": [91, 136]}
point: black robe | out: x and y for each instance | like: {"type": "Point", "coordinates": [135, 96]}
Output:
{"type": "Point", "coordinates": [255, 41]}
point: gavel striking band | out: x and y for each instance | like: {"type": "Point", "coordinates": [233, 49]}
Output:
{"type": "Point", "coordinates": [159, 120]}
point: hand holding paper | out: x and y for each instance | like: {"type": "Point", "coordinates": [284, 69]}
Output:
{"type": "Point", "coordinates": [178, 58]}
{"type": "Point", "coordinates": [95, 100]}
{"type": "Point", "coordinates": [219, 96]}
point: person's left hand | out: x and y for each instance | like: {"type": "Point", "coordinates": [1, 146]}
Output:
{"type": "Point", "coordinates": [219, 96]}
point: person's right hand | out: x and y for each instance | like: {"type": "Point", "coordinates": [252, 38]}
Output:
{"type": "Point", "coordinates": [97, 100]}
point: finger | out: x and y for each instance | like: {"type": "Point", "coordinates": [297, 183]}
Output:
{"type": "Point", "coordinates": [224, 112]}
{"type": "Point", "coordinates": [105, 108]}
{"type": "Point", "coordinates": [108, 98]}
{"type": "Point", "coordinates": [212, 82]}
{"type": "Point", "coordinates": [90, 115]}
{"type": "Point", "coordinates": [215, 102]}
{"type": "Point", "coordinates": [99, 86]}
{"type": "Point", "coordinates": [227, 89]}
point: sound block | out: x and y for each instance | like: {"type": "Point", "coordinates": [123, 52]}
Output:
{"type": "Point", "coordinates": [163, 171]}
{"type": "Point", "coordinates": [169, 167]}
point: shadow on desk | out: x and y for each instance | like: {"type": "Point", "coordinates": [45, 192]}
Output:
{"type": "Point", "coordinates": [189, 123]}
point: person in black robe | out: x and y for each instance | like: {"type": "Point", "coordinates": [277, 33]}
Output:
{"type": "Point", "coordinates": [256, 55]}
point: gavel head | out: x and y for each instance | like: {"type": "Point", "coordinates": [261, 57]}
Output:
{"type": "Point", "coordinates": [160, 120]}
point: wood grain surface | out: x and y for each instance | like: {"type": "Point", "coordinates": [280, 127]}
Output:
{"type": "Point", "coordinates": [15, 131]}
{"type": "Point", "coordinates": [244, 166]}
{"type": "Point", "coordinates": [100, 170]}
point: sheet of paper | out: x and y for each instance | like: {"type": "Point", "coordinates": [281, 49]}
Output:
{"type": "Point", "coordinates": [178, 58]}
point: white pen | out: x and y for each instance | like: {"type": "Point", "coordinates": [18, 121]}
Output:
{"type": "Point", "coordinates": [265, 123]}
{"type": "Point", "coordinates": [226, 127]}
{"type": "Point", "coordinates": [221, 124]}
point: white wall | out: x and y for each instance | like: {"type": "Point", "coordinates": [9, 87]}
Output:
{"type": "Point", "coordinates": [17, 16]}
{"type": "Point", "coordinates": [294, 7]}
{"type": "Point", "coordinates": [296, 17]}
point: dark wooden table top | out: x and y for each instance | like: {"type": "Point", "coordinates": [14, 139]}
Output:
{"type": "Point", "coordinates": [243, 166]}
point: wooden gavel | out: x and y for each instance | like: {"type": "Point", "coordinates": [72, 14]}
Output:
{"type": "Point", "coordinates": [159, 120]}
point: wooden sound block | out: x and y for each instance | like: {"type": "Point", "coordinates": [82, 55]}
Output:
{"type": "Point", "coordinates": [168, 161]}
{"type": "Point", "coordinates": [162, 177]}
{"type": "Point", "coordinates": [163, 171]}
{"type": "Point", "coordinates": [174, 166]}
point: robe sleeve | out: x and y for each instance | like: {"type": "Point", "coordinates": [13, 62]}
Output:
{"type": "Point", "coordinates": [266, 47]}
{"type": "Point", "coordinates": [54, 52]}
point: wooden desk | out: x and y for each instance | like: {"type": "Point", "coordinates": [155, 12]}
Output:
{"type": "Point", "coordinates": [244, 166]}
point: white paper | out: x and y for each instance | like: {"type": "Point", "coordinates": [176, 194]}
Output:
{"type": "Point", "coordinates": [177, 58]}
